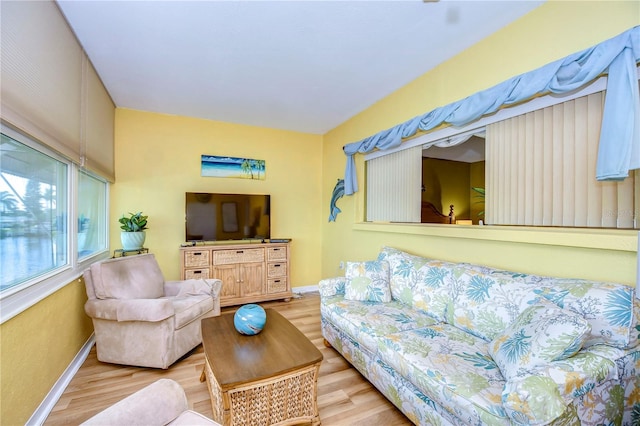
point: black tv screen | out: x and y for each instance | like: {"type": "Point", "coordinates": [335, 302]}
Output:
{"type": "Point", "coordinates": [215, 217]}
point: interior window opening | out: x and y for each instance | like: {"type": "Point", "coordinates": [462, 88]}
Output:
{"type": "Point", "coordinates": [537, 167]}
{"type": "Point", "coordinates": [453, 181]}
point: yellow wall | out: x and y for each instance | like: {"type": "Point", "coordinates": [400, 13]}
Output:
{"type": "Point", "coordinates": [158, 160]}
{"type": "Point", "coordinates": [36, 347]}
{"type": "Point", "coordinates": [447, 182]}
{"type": "Point", "coordinates": [550, 32]}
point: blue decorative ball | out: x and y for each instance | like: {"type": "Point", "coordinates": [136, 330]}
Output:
{"type": "Point", "coordinates": [250, 319]}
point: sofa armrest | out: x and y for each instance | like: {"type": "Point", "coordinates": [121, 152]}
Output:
{"type": "Point", "coordinates": [152, 310]}
{"type": "Point", "coordinates": [544, 393]}
{"type": "Point", "coordinates": [533, 399]}
{"type": "Point", "coordinates": [193, 287]}
{"type": "Point", "coordinates": [332, 286]}
{"type": "Point", "coordinates": [157, 404]}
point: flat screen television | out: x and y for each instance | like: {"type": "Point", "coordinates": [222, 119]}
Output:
{"type": "Point", "coordinates": [216, 217]}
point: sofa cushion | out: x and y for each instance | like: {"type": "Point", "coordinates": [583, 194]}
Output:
{"type": "Point", "coordinates": [131, 277]}
{"type": "Point", "coordinates": [452, 368]}
{"type": "Point", "coordinates": [364, 322]}
{"type": "Point", "coordinates": [542, 333]}
{"type": "Point", "coordinates": [421, 283]}
{"type": "Point", "coordinates": [401, 266]}
{"type": "Point", "coordinates": [485, 301]}
{"type": "Point", "coordinates": [367, 281]}
{"type": "Point", "coordinates": [608, 307]}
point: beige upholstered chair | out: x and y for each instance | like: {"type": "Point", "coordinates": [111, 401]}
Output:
{"type": "Point", "coordinates": [138, 318]}
{"type": "Point", "coordinates": [161, 403]}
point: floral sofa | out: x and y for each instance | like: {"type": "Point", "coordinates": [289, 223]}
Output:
{"type": "Point", "coordinates": [455, 343]}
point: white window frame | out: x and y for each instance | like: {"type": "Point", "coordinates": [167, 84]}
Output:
{"type": "Point", "coordinates": [21, 297]}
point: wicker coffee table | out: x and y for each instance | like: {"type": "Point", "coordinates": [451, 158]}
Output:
{"type": "Point", "coordinates": [269, 378]}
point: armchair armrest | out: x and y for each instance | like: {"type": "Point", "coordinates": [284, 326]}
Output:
{"type": "Point", "coordinates": [157, 404]}
{"type": "Point", "coordinates": [152, 310]}
{"type": "Point", "coordinates": [193, 287]}
{"type": "Point", "coordinates": [332, 286]}
{"type": "Point", "coordinates": [102, 309]}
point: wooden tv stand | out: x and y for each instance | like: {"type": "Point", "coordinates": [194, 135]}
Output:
{"type": "Point", "coordinates": [250, 272]}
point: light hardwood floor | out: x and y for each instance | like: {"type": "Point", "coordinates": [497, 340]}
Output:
{"type": "Point", "coordinates": [344, 396]}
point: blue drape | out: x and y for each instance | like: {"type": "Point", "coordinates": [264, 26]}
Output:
{"type": "Point", "coordinates": [619, 148]}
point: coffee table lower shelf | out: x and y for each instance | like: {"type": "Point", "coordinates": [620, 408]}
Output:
{"type": "Point", "coordinates": [286, 399]}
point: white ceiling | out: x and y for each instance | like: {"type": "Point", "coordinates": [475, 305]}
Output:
{"type": "Point", "coordinates": [296, 65]}
{"type": "Point", "coordinates": [471, 151]}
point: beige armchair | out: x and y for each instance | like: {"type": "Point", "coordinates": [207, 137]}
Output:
{"type": "Point", "coordinates": [161, 403]}
{"type": "Point", "coordinates": [138, 318]}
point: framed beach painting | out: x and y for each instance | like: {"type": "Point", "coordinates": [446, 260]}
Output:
{"type": "Point", "coordinates": [232, 167]}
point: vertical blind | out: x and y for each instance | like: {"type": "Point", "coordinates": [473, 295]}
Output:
{"type": "Point", "coordinates": [393, 186]}
{"type": "Point", "coordinates": [50, 90]}
{"type": "Point", "coordinates": [541, 171]}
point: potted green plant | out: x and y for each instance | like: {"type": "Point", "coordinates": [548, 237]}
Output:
{"type": "Point", "coordinates": [133, 226]}
{"type": "Point", "coordinates": [480, 193]}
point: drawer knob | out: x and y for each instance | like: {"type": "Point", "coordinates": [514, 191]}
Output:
{"type": "Point", "coordinates": [240, 251]}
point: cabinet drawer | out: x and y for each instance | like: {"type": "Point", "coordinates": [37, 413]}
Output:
{"type": "Point", "coordinates": [190, 274]}
{"type": "Point", "coordinates": [276, 285]}
{"type": "Point", "coordinates": [277, 270]}
{"type": "Point", "coordinates": [276, 253]}
{"type": "Point", "coordinates": [226, 257]}
{"type": "Point", "coordinates": [196, 258]}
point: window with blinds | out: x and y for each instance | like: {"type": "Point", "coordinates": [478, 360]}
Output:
{"type": "Point", "coordinates": [393, 186]}
{"type": "Point", "coordinates": [540, 171]}
{"type": "Point", "coordinates": [50, 90]}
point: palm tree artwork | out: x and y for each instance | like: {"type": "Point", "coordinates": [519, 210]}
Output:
{"type": "Point", "coordinates": [233, 167]}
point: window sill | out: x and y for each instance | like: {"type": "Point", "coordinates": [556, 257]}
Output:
{"type": "Point", "coordinates": [15, 303]}
{"type": "Point", "coordinates": [604, 239]}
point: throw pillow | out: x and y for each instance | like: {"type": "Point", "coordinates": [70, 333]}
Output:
{"type": "Point", "coordinates": [542, 333]}
{"type": "Point", "coordinates": [367, 281]}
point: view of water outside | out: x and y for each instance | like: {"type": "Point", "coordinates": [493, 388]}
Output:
{"type": "Point", "coordinates": [22, 258]}
{"type": "Point", "coordinates": [34, 217]}
{"type": "Point", "coordinates": [33, 201]}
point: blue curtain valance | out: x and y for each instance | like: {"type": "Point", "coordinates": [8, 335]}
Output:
{"type": "Point", "coordinates": [619, 147]}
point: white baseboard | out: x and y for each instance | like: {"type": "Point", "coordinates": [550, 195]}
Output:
{"type": "Point", "coordinates": [307, 289]}
{"type": "Point", "coordinates": [42, 412]}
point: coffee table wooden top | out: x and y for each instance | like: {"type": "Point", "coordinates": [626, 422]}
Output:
{"type": "Point", "coordinates": [236, 359]}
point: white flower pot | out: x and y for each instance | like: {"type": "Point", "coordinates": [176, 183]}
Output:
{"type": "Point", "coordinates": [132, 240]}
